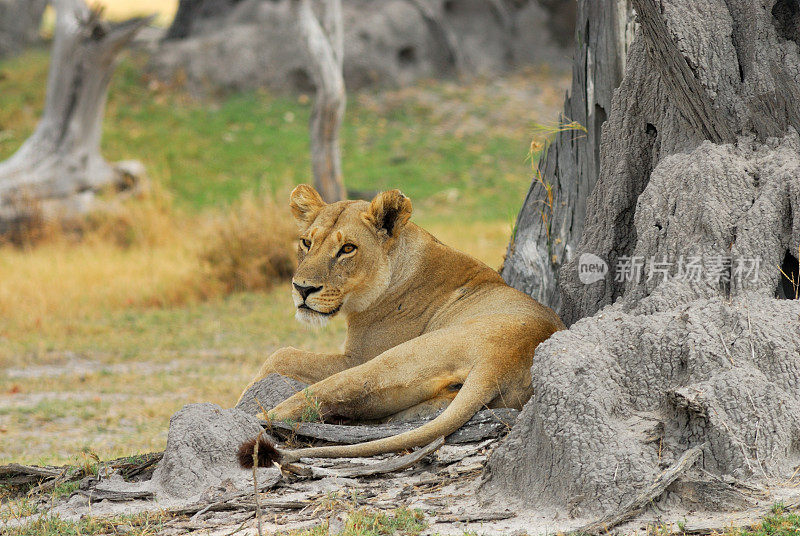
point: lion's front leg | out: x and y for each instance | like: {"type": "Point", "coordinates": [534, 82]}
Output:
{"type": "Point", "coordinates": [414, 372]}
{"type": "Point", "coordinates": [300, 365]}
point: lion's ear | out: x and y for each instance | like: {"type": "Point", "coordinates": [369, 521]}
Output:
{"type": "Point", "coordinates": [305, 203]}
{"type": "Point", "coordinates": [388, 212]}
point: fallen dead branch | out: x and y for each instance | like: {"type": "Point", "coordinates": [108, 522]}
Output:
{"type": "Point", "coordinates": [231, 501]}
{"type": "Point", "coordinates": [485, 424]}
{"type": "Point", "coordinates": [69, 474]}
{"type": "Point", "coordinates": [15, 474]}
{"type": "Point", "coordinates": [476, 517]}
{"type": "Point", "coordinates": [629, 510]}
{"type": "Point", "coordinates": [389, 466]}
{"type": "Point", "coordinates": [48, 477]}
{"type": "Point", "coordinates": [131, 469]}
{"type": "Point", "coordinates": [99, 494]}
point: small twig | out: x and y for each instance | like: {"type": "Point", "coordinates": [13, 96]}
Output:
{"type": "Point", "coordinates": [791, 478]}
{"type": "Point", "coordinates": [750, 329]}
{"type": "Point", "coordinates": [755, 447]}
{"type": "Point", "coordinates": [197, 514]}
{"type": "Point", "coordinates": [741, 442]}
{"type": "Point", "coordinates": [725, 347]}
{"type": "Point", "coordinates": [255, 484]}
{"type": "Point", "coordinates": [237, 529]}
{"type": "Point", "coordinates": [264, 411]}
{"type": "Point", "coordinates": [270, 503]}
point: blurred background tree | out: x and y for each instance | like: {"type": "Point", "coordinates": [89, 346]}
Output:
{"type": "Point", "coordinates": [58, 172]}
{"type": "Point", "coordinates": [19, 24]}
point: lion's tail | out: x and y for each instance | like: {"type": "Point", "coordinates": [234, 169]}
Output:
{"type": "Point", "coordinates": [478, 390]}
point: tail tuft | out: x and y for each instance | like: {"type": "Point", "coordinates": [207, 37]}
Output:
{"type": "Point", "coordinates": [267, 453]}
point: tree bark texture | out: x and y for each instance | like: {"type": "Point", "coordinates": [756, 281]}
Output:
{"type": "Point", "coordinates": [685, 342]}
{"type": "Point", "coordinates": [59, 170]}
{"type": "Point", "coordinates": [325, 51]}
{"type": "Point", "coordinates": [679, 92]}
{"type": "Point", "coordinates": [550, 223]}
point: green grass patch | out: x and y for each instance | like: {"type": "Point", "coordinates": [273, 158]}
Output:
{"type": "Point", "coordinates": [779, 523]}
{"type": "Point", "coordinates": [362, 522]}
{"type": "Point", "coordinates": [312, 412]}
{"type": "Point", "coordinates": [208, 153]}
{"type": "Point", "coordinates": [65, 490]}
{"type": "Point", "coordinates": [136, 525]}
{"type": "Point", "coordinates": [401, 521]}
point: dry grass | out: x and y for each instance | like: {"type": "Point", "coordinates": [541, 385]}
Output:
{"type": "Point", "coordinates": [141, 255]}
{"type": "Point", "coordinates": [60, 279]}
{"type": "Point", "coordinates": [151, 255]}
{"type": "Point", "coordinates": [146, 254]}
{"type": "Point", "coordinates": [251, 247]}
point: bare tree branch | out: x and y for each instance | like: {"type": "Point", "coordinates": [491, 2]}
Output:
{"type": "Point", "coordinates": [60, 168]}
{"type": "Point", "coordinates": [325, 54]}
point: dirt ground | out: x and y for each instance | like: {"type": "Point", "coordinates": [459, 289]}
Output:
{"type": "Point", "coordinates": [442, 486]}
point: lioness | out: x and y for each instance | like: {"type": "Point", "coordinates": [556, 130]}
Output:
{"type": "Point", "coordinates": [427, 326]}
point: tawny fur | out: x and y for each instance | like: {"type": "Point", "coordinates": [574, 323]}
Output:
{"type": "Point", "coordinates": [428, 326]}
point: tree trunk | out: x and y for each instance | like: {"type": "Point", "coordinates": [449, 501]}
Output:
{"type": "Point", "coordinates": [195, 16]}
{"type": "Point", "coordinates": [550, 223]}
{"type": "Point", "coordinates": [58, 171]}
{"type": "Point", "coordinates": [19, 24]}
{"type": "Point", "coordinates": [684, 341]}
{"type": "Point", "coordinates": [325, 51]}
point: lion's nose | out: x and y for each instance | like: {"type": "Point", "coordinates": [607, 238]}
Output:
{"type": "Point", "coordinates": [305, 292]}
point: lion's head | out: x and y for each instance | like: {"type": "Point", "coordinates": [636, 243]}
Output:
{"type": "Point", "coordinates": [343, 251]}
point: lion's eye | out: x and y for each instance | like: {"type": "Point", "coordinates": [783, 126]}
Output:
{"type": "Point", "coordinates": [306, 243]}
{"type": "Point", "coordinates": [347, 248]}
